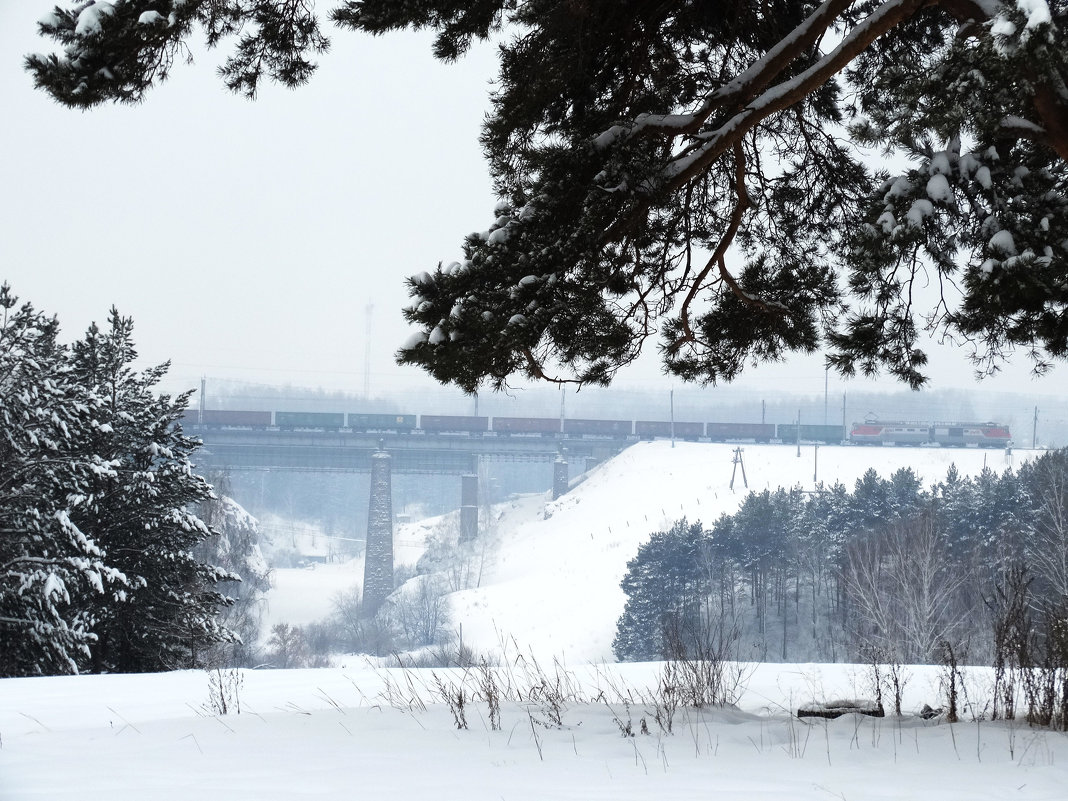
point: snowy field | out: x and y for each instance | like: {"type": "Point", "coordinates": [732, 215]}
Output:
{"type": "Point", "coordinates": [550, 590]}
{"type": "Point", "coordinates": [333, 734]}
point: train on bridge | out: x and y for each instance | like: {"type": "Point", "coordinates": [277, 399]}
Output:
{"type": "Point", "coordinates": [871, 432]}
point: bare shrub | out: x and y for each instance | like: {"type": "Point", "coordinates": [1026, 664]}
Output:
{"type": "Point", "coordinates": [952, 679]}
{"type": "Point", "coordinates": [886, 674]}
{"type": "Point", "coordinates": [624, 722]}
{"type": "Point", "coordinates": [224, 691]}
{"type": "Point", "coordinates": [1045, 680]}
{"type": "Point", "coordinates": [1011, 619]}
{"type": "Point", "coordinates": [666, 697]}
{"type": "Point", "coordinates": [441, 655]}
{"type": "Point", "coordinates": [287, 647]}
{"type": "Point", "coordinates": [355, 632]}
{"type": "Point", "coordinates": [1030, 657]}
{"type": "Point", "coordinates": [420, 611]}
{"type": "Point", "coordinates": [873, 657]}
{"type": "Point", "coordinates": [490, 692]}
{"type": "Point", "coordinates": [551, 693]}
{"type": "Point", "coordinates": [898, 676]}
{"type": "Point", "coordinates": [1057, 633]}
{"type": "Point", "coordinates": [321, 641]}
{"type": "Point", "coordinates": [455, 694]}
{"type": "Point", "coordinates": [700, 657]}
{"type": "Point", "coordinates": [459, 564]}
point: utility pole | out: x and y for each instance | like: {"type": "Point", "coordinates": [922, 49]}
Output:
{"type": "Point", "coordinates": [826, 397]}
{"type": "Point", "coordinates": [1034, 431]}
{"type": "Point", "coordinates": [367, 353]}
{"type": "Point", "coordinates": [738, 463]}
{"type": "Point", "coordinates": [203, 391]}
{"type": "Point", "coordinates": [798, 433]}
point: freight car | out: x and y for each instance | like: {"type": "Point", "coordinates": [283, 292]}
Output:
{"type": "Point", "coordinates": [226, 418]}
{"type": "Point", "coordinates": [651, 429]}
{"type": "Point", "coordinates": [599, 428]}
{"type": "Point", "coordinates": [983, 435]}
{"type": "Point", "coordinates": [830, 435]}
{"type": "Point", "coordinates": [398, 423]}
{"type": "Point", "coordinates": [319, 421]}
{"type": "Point", "coordinates": [453, 424]}
{"type": "Point", "coordinates": [526, 425]}
{"type": "Point", "coordinates": [723, 432]}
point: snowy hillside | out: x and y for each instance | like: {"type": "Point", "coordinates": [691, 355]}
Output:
{"type": "Point", "coordinates": [554, 585]}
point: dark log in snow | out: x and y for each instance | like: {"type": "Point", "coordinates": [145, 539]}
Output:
{"type": "Point", "coordinates": [837, 708]}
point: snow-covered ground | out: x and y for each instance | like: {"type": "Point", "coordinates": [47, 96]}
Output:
{"type": "Point", "coordinates": [333, 734]}
{"type": "Point", "coordinates": [550, 586]}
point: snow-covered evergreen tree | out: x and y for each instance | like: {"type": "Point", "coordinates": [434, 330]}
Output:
{"type": "Point", "coordinates": [97, 529]}
{"type": "Point", "coordinates": [48, 566]}
{"type": "Point", "coordinates": [141, 515]}
{"type": "Point", "coordinates": [665, 586]}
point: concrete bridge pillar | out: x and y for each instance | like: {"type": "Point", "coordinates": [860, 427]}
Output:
{"type": "Point", "coordinates": [560, 477]}
{"type": "Point", "coordinates": [378, 555]}
{"type": "Point", "coordinates": [468, 507]}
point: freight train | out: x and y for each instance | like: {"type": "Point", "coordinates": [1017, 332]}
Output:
{"type": "Point", "coordinates": [990, 435]}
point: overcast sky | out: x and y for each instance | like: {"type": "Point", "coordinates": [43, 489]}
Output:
{"type": "Point", "coordinates": [248, 239]}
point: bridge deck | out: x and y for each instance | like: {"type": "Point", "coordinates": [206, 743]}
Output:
{"type": "Point", "coordinates": [247, 449]}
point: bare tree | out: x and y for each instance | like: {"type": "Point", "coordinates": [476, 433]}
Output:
{"type": "Point", "coordinates": [1048, 544]}
{"type": "Point", "coordinates": [459, 563]}
{"type": "Point", "coordinates": [421, 611]}
{"type": "Point", "coordinates": [286, 648]}
{"type": "Point", "coordinates": [903, 591]}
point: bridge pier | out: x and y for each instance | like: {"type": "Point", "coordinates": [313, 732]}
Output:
{"type": "Point", "coordinates": [378, 554]}
{"type": "Point", "coordinates": [468, 507]}
{"type": "Point", "coordinates": [560, 477]}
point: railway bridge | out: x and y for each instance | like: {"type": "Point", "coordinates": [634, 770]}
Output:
{"type": "Point", "coordinates": [235, 449]}
{"type": "Point", "coordinates": [246, 450]}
